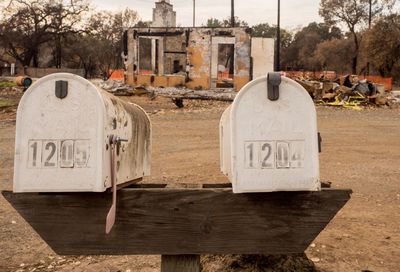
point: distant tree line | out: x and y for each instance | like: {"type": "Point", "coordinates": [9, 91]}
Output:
{"type": "Point", "coordinates": [357, 36]}
{"type": "Point", "coordinates": [61, 33]}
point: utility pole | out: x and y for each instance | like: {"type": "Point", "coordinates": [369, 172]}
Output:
{"type": "Point", "coordinates": [232, 13]}
{"type": "Point", "coordinates": [369, 27]}
{"type": "Point", "coordinates": [370, 14]}
{"type": "Point", "coordinates": [194, 13]}
{"type": "Point", "coordinates": [278, 40]}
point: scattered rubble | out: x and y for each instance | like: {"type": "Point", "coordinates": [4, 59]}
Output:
{"type": "Point", "coordinates": [116, 87]}
{"type": "Point", "coordinates": [177, 94]}
{"type": "Point", "coordinates": [349, 92]}
{"type": "Point", "coordinates": [184, 93]}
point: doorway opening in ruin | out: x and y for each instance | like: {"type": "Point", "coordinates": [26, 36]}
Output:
{"type": "Point", "coordinates": [148, 56]}
{"type": "Point", "coordinates": [222, 62]}
{"type": "Point", "coordinates": [145, 56]}
{"type": "Point", "coordinates": [226, 62]}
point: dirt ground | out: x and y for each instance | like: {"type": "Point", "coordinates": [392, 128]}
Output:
{"type": "Point", "coordinates": [361, 151]}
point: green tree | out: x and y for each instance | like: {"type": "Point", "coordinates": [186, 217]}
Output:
{"type": "Point", "coordinates": [267, 31]}
{"type": "Point", "coordinates": [213, 22]}
{"type": "Point", "coordinates": [238, 22]}
{"type": "Point", "coordinates": [300, 52]}
{"type": "Point", "coordinates": [263, 30]}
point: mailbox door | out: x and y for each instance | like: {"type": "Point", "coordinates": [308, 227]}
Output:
{"type": "Point", "coordinates": [131, 123]}
{"type": "Point", "coordinates": [274, 143]}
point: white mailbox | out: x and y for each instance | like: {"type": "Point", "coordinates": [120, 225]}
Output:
{"type": "Point", "coordinates": [268, 138]}
{"type": "Point", "coordinates": [64, 128]}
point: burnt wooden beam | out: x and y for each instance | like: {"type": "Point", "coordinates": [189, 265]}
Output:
{"type": "Point", "coordinates": [175, 52]}
{"type": "Point", "coordinates": [180, 221]}
{"type": "Point", "coordinates": [160, 33]}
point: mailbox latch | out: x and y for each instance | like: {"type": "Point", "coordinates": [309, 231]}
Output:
{"type": "Point", "coordinates": [274, 80]}
{"type": "Point", "coordinates": [61, 89]}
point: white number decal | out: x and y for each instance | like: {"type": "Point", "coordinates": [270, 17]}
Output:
{"type": "Point", "coordinates": [297, 154]}
{"type": "Point", "coordinates": [67, 154]}
{"type": "Point", "coordinates": [274, 154]}
{"type": "Point", "coordinates": [282, 155]}
{"type": "Point", "coordinates": [266, 155]}
{"type": "Point", "coordinates": [249, 153]}
{"type": "Point", "coordinates": [34, 154]}
{"type": "Point", "coordinates": [49, 154]}
{"type": "Point", "coordinates": [82, 149]}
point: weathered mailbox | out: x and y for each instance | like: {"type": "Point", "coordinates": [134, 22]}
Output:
{"type": "Point", "coordinates": [269, 139]}
{"type": "Point", "coordinates": [65, 129]}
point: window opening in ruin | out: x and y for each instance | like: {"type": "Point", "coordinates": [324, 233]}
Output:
{"type": "Point", "coordinates": [177, 66]}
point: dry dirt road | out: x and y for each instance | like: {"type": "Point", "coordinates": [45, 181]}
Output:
{"type": "Point", "coordinates": [361, 151]}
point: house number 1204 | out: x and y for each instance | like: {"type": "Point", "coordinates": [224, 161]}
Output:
{"type": "Point", "coordinates": [274, 154]}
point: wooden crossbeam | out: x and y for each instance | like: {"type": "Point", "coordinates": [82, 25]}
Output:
{"type": "Point", "coordinates": [180, 221]}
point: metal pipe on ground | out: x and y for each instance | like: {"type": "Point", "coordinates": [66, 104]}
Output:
{"type": "Point", "coordinates": [23, 81]}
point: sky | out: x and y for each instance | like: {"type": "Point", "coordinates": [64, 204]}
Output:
{"type": "Point", "coordinates": [294, 13]}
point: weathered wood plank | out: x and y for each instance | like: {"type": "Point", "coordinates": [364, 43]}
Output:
{"type": "Point", "coordinates": [180, 221]}
{"type": "Point", "coordinates": [180, 263]}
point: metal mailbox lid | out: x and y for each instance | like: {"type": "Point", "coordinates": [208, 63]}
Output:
{"type": "Point", "coordinates": [274, 144]}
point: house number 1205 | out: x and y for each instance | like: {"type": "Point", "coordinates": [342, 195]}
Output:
{"type": "Point", "coordinates": [58, 153]}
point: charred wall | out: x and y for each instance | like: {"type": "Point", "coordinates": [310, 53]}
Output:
{"type": "Point", "coordinates": [188, 56]}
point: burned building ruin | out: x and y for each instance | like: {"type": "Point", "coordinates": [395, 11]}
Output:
{"type": "Point", "coordinates": [194, 57]}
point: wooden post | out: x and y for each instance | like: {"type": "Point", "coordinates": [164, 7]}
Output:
{"type": "Point", "coordinates": [180, 263]}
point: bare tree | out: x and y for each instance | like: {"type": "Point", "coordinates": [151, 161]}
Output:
{"type": "Point", "coordinates": [65, 19]}
{"type": "Point", "coordinates": [383, 44]}
{"type": "Point", "coordinates": [26, 25]}
{"type": "Point", "coordinates": [352, 13]}
{"type": "Point", "coordinates": [101, 44]}
{"type": "Point", "coordinates": [299, 54]}
{"type": "Point", "coordinates": [376, 7]}
{"type": "Point", "coordinates": [331, 53]}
